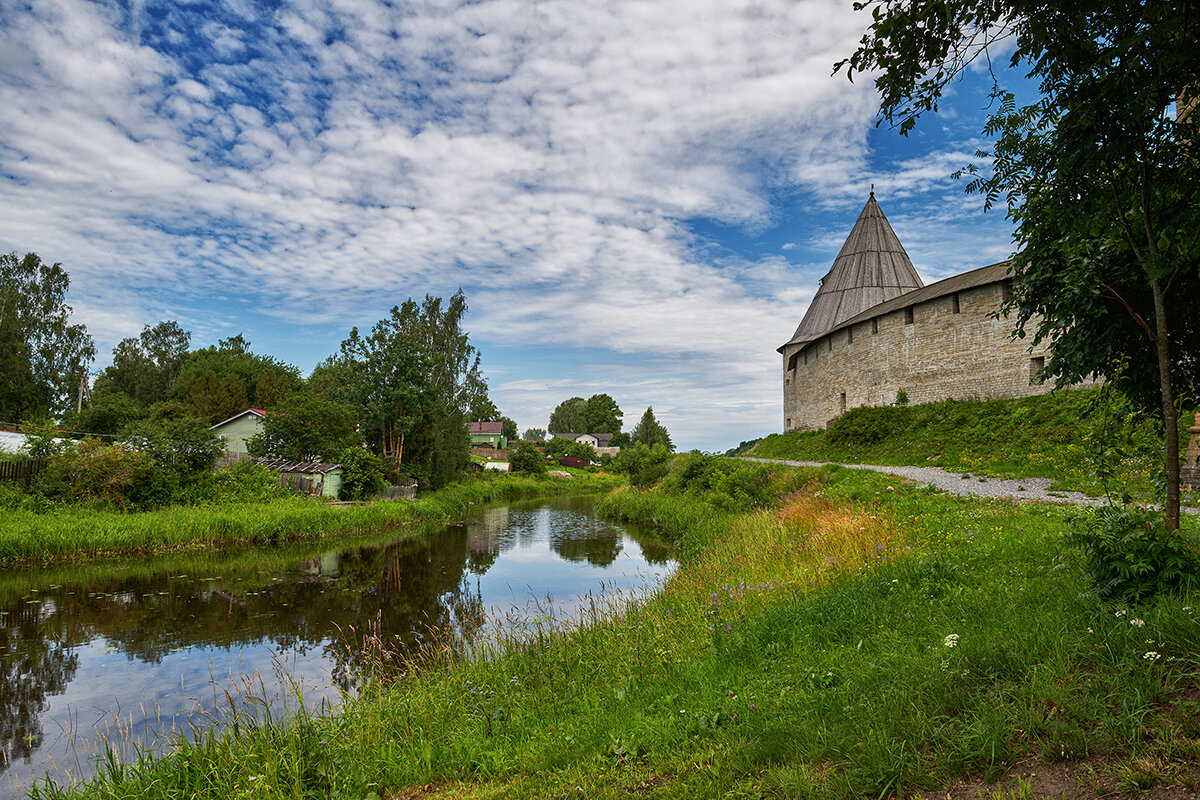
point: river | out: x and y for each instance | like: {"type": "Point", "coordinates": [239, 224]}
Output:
{"type": "Point", "coordinates": [124, 654]}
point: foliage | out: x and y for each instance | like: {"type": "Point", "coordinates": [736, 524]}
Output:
{"type": "Point", "coordinates": [565, 446]}
{"type": "Point", "coordinates": [862, 426]}
{"type": "Point", "coordinates": [181, 446]}
{"type": "Point", "coordinates": [644, 464]}
{"type": "Point", "coordinates": [95, 474]}
{"type": "Point", "coordinates": [726, 483]}
{"type": "Point", "coordinates": [1132, 555]}
{"type": "Point", "coordinates": [218, 382]}
{"type": "Point", "coordinates": [534, 435]}
{"type": "Point", "coordinates": [108, 414]}
{"type": "Point", "coordinates": [901, 398]}
{"type": "Point", "coordinates": [412, 381]}
{"type": "Point", "coordinates": [601, 415]}
{"type": "Point", "coordinates": [569, 416]}
{"type": "Point", "coordinates": [650, 432]}
{"type": "Point", "coordinates": [306, 427]}
{"type": "Point", "coordinates": [526, 459]}
{"type": "Point", "coordinates": [42, 438]}
{"type": "Point", "coordinates": [145, 367]}
{"type": "Point", "coordinates": [1100, 175]}
{"type": "Point", "coordinates": [362, 473]}
{"type": "Point", "coordinates": [42, 356]}
{"type": "Point", "coordinates": [508, 428]}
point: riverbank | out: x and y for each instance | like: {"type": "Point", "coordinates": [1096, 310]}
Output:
{"type": "Point", "coordinates": [861, 638]}
{"type": "Point", "coordinates": [76, 533]}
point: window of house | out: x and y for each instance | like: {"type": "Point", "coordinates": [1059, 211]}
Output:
{"type": "Point", "coordinates": [793, 360]}
{"type": "Point", "coordinates": [787, 425]}
{"type": "Point", "coordinates": [1036, 365]}
{"type": "Point", "coordinates": [1005, 289]}
{"type": "Point", "coordinates": [908, 316]}
{"type": "Point", "coordinates": [787, 381]}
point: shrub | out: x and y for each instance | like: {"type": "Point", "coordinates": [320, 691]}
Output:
{"type": "Point", "coordinates": [526, 459]}
{"type": "Point", "coordinates": [362, 473]}
{"type": "Point", "coordinates": [726, 483]}
{"type": "Point", "coordinates": [644, 464]}
{"type": "Point", "coordinates": [96, 474]}
{"type": "Point", "coordinates": [1132, 555]}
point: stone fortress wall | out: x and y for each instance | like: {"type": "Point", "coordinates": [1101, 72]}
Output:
{"type": "Point", "coordinates": [944, 344]}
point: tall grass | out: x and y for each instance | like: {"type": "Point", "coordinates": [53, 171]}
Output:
{"type": "Point", "coordinates": [80, 533]}
{"type": "Point", "coordinates": [859, 639]}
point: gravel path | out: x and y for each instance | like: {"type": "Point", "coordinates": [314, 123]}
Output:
{"type": "Point", "coordinates": [1023, 489]}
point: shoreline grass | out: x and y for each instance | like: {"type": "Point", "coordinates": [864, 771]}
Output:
{"type": "Point", "coordinates": [79, 533]}
{"type": "Point", "coordinates": [863, 638]}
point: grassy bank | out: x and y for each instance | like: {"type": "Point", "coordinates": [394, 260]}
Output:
{"type": "Point", "coordinates": [859, 639]}
{"type": "Point", "coordinates": [1046, 436]}
{"type": "Point", "coordinates": [80, 533]}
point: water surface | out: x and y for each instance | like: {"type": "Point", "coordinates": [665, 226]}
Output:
{"type": "Point", "coordinates": [130, 651]}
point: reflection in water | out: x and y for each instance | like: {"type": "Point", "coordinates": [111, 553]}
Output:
{"type": "Point", "coordinates": [85, 645]}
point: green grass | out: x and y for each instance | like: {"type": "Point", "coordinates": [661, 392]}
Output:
{"type": "Point", "coordinates": [1033, 437]}
{"type": "Point", "coordinates": [861, 639]}
{"type": "Point", "coordinates": [81, 533]}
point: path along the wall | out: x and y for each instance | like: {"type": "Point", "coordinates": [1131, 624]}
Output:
{"type": "Point", "coordinates": [1022, 489]}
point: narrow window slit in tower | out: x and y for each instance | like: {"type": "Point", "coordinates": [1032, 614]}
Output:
{"type": "Point", "coordinates": [908, 316]}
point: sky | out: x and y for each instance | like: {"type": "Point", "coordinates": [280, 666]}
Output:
{"type": "Point", "coordinates": [637, 198]}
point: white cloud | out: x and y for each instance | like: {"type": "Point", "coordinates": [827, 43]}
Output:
{"type": "Point", "coordinates": [330, 160]}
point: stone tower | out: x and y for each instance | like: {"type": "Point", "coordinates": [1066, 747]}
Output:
{"type": "Point", "coordinates": [871, 268]}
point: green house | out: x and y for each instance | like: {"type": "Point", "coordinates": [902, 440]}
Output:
{"type": "Point", "coordinates": [487, 434]}
{"type": "Point", "coordinates": [238, 429]}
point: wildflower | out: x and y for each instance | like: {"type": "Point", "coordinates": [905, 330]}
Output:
{"type": "Point", "coordinates": [951, 640]}
{"type": "Point", "coordinates": [1152, 656]}
{"type": "Point", "coordinates": [1090, 630]}
{"type": "Point", "coordinates": [1137, 623]}
{"type": "Point", "coordinates": [1120, 613]}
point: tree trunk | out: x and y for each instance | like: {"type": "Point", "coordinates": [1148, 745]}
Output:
{"type": "Point", "coordinates": [1170, 413]}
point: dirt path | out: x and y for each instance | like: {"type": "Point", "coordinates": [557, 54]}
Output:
{"type": "Point", "coordinates": [1022, 489]}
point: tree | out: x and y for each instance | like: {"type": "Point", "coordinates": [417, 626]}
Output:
{"type": "Point", "coordinates": [526, 459]}
{"type": "Point", "coordinates": [534, 435]}
{"type": "Point", "coordinates": [508, 428]}
{"type": "Point", "coordinates": [570, 416]}
{"type": "Point", "coordinates": [601, 415]}
{"type": "Point", "coordinates": [650, 432]}
{"type": "Point", "coordinates": [307, 427]}
{"type": "Point", "coordinates": [43, 357]}
{"type": "Point", "coordinates": [218, 382]}
{"type": "Point", "coordinates": [412, 380]}
{"type": "Point", "coordinates": [1100, 175]}
{"type": "Point", "coordinates": [145, 367]}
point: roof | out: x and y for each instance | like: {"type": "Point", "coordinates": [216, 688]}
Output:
{"type": "Point", "coordinates": [485, 428]}
{"type": "Point", "coordinates": [993, 273]}
{"type": "Point", "coordinates": [255, 411]}
{"type": "Point", "coordinates": [287, 465]}
{"type": "Point", "coordinates": [871, 268]}
{"type": "Point", "coordinates": [11, 442]}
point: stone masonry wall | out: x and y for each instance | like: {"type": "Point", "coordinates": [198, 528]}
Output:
{"type": "Point", "coordinates": [940, 355]}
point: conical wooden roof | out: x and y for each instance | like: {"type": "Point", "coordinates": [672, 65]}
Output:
{"type": "Point", "coordinates": [871, 268]}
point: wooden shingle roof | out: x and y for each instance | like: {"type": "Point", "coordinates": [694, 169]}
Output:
{"type": "Point", "coordinates": [872, 268]}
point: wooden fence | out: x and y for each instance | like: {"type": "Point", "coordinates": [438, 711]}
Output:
{"type": "Point", "coordinates": [24, 470]}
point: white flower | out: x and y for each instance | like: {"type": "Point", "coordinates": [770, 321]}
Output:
{"type": "Point", "coordinates": [1090, 630]}
{"type": "Point", "coordinates": [1137, 623]}
{"type": "Point", "coordinates": [950, 641]}
{"type": "Point", "coordinates": [1152, 656]}
{"type": "Point", "coordinates": [1121, 613]}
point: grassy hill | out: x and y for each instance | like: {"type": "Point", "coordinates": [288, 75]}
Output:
{"type": "Point", "coordinates": [1050, 436]}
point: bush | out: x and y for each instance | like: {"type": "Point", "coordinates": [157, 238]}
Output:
{"type": "Point", "coordinates": [182, 445]}
{"type": "Point", "coordinates": [96, 474]}
{"type": "Point", "coordinates": [1132, 555]}
{"type": "Point", "coordinates": [362, 473]}
{"type": "Point", "coordinates": [526, 459]}
{"type": "Point", "coordinates": [644, 464]}
{"type": "Point", "coordinates": [727, 484]}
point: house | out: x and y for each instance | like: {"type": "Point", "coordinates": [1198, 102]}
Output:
{"type": "Point", "coordinates": [306, 477]}
{"type": "Point", "coordinates": [598, 441]}
{"type": "Point", "coordinates": [487, 434]}
{"type": "Point", "coordinates": [238, 429]}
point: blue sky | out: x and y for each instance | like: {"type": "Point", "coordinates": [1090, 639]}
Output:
{"type": "Point", "coordinates": [637, 198]}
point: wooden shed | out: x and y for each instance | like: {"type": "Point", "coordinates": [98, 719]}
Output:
{"type": "Point", "coordinates": [306, 477]}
